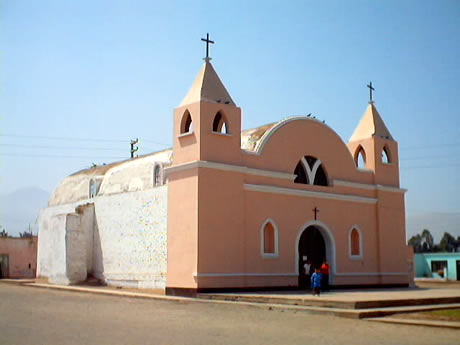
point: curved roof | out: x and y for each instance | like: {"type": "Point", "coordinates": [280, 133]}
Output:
{"type": "Point", "coordinates": [127, 175]}
{"type": "Point", "coordinates": [255, 139]}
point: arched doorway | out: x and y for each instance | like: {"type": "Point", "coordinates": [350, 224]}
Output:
{"type": "Point", "coordinates": [311, 247]}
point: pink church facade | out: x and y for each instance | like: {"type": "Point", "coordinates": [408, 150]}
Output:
{"type": "Point", "coordinates": [247, 209]}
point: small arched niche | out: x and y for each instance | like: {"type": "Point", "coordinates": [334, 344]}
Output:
{"type": "Point", "coordinates": [94, 185]}
{"type": "Point", "coordinates": [220, 124]}
{"type": "Point", "coordinates": [186, 125]}
{"type": "Point", "coordinates": [360, 157]}
{"type": "Point", "coordinates": [158, 175]}
{"type": "Point", "coordinates": [355, 243]}
{"type": "Point", "coordinates": [269, 239]}
{"type": "Point", "coordinates": [386, 155]}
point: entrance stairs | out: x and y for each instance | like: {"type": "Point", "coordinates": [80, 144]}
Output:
{"type": "Point", "coordinates": [351, 304]}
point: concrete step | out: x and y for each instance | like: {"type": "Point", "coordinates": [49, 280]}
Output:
{"type": "Point", "coordinates": [319, 302]}
{"type": "Point", "coordinates": [325, 302]}
{"type": "Point", "coordinates": [429, 323]}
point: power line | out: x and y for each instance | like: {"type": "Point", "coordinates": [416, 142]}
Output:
{"type": "Point", "coordinates": [430, 166]}
{"type": "Point", "coordinates": [60, 156]}
{"type": "Point", "coordinates": [427, 157]}
{"type": "Point", "coordinates": [429, 146]}
{"type": "Point", "coordinates": [63, 147]}
{"type": "Point", "coordinates": [61, 138]}
{"type": "Point", "coordinates": [79, 139]}
{"type": "Point", "coordinates": [164, 144]}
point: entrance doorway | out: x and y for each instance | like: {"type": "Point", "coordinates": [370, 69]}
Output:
{"type": "Point", "coordinates": [3, 266]}
{"type": "Point", "coordinates": [313, 248]}
{"type": "Point", "coordinates": [458, 269]}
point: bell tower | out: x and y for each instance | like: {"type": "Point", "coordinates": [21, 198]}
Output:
{"type": "Point", "coordinates": [372, 143]}
{"type": "Point", "coordinates": [207, 123]}
{"type": "Point", "coordinates": [205, 196]}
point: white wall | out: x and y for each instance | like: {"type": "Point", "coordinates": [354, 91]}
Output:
{"type": "Point", "coordinates": [124, 244]}
{"type": "Point", "coordinates": [131, 238]}
{"type": "Point", "coordinates": [51, 261]}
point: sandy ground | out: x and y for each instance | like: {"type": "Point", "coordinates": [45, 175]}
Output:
{"type": "Point", "coordinates": [43, 316]}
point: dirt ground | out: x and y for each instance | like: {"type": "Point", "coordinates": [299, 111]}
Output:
{"type": "Point", "coordinates": [44, 316]}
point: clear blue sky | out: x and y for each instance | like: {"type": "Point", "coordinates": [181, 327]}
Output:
{"type": "Point", "coordinates": [114, 70]}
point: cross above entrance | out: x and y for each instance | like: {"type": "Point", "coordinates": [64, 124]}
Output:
{"type": "Point", "coordinates": [208, 41]}
{"type": "Point", "coordinates": [370, 92]}
{"type": "Point", "coordinates": [316, 211]}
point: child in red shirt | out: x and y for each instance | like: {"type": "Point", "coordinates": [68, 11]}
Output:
{"type": "Point", "coordinates": [325, 272]}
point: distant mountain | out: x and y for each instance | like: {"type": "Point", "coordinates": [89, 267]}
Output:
{"type": "Point", "coordinates": [20, 208]}
{"type": "Point", "coordinates": [438, 223]}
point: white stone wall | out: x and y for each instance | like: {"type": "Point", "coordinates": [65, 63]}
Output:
{"type": "Point", "coordinates": [51, 261]}
{"type": "Point", "coordinates": [123, 241]}
{"type": "Point", "coordinates": [131, 235]}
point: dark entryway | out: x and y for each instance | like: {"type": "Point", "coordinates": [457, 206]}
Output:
{"type": "Point", "coordinates": [311, 247]}
{"type": "Point", "coordinates": [458, 269]}
{"type": "Point", "coordinates": [3, 266]}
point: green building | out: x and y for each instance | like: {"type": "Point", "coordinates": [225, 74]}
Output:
{"type": "Point", "coordinates": [438, 265]}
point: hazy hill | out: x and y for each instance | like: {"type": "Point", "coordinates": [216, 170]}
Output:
{"type": "Point", "coordinates": [20, 208]}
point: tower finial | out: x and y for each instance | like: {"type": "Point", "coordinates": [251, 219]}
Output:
{"type": "Point", "coordinates": [208, 41]}
{"type": "Point", "coordinates": [370, 92]}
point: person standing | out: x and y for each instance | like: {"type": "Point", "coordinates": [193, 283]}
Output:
{"type": "Point", "coordinates": [316, 278]}
{"type": "Point", "coordinates": [325, 268]}
{"type": "Point", "coordinates": [307, 267]}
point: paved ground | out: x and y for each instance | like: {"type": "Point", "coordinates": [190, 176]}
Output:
{"type": "Point", "coordinates": [41, 316]}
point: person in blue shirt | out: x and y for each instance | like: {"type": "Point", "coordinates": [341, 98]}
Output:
{"type": "Point", "coordinates": [316, 278]}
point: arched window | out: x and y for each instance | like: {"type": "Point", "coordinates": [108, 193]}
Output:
{"type": "Point", "coordinates": [310, 171]}
{"type": "Point", "coordinates": [158, 175]}
{"type": "Point", "coordinates": [385, 156]}
{"type": "Point", "coordinates": [93, 188]}
{"type": "Point", "coordinates": [355, 243]}
{"type": "Point", "coordinates": [219, 124]}
{"type": "Point", "coordinates": [186, 125]}
{"type": "Point", "coordinates": [360, 158]}
{"type": "Point", "coordinates": [269, 239]}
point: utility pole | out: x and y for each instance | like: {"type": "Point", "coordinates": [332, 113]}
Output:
{"type": "Point", "coordinates": [134, 149]}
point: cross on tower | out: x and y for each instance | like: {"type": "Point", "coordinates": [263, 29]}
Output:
{"type": "Point", "coordinates": [208, 41]}
{"type": "Point", "coordinates": [316, 211]}
{"type": "Point", "coordinates": [370, 92]}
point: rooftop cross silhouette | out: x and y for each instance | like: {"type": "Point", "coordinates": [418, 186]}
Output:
{"type": "Point", "coordinates": [370, 92]}
{"type": "Point", "coordinates": [208, 41]}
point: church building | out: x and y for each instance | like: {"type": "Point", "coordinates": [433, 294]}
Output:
{"type": "Point", "coordinates": [229, 209]}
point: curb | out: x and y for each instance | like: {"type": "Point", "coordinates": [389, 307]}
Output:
{"type": "Point", "coordinates": [413, 322]}
{"type": "Point", "coordinates": [17, 281]}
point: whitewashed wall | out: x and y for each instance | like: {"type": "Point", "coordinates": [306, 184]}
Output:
{"type": "Point", "coordinates": [131, 236]}
{"type": "Point", "coordinates": [51, 261]}
{"type": "Point", "coordinates": [123, 244]}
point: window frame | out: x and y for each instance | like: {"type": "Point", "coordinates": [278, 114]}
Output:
{"type": "Point", "coordinates": [360, 149]}
{"type": "Point", "coordinates": [386, 151]}
{"type": "Point", "coordinates": [274, 255]}
{"type": "Point", "coordinates": [350, 244]}
{"type": "Point", "coordinates": [217, 127]}
{"type": "Point", "coordinates": [158, 165]}
{"type": "Point", "coordinates": [184, 129]}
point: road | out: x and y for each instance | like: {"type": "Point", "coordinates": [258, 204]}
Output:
{"type": "Point", "coordinates": [43, 316]}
